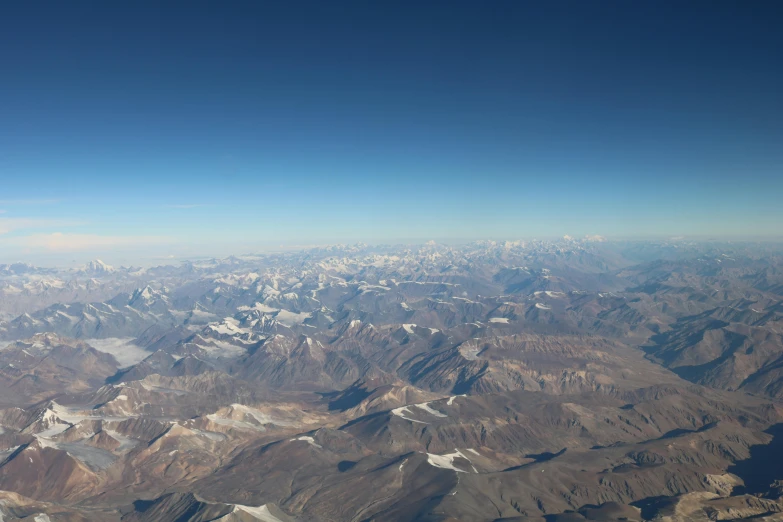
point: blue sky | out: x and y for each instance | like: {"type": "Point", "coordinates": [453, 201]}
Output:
{"type": "Point", "coordinates": [140, 130]}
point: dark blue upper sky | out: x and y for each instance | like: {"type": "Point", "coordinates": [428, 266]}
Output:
{"type": "Point", "coordinates": [191, 123]}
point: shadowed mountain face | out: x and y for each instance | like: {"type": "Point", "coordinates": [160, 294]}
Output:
{"type": "Point", "coordinates": [568, 380]}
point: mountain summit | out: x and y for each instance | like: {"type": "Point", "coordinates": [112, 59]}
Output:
{"type": "Point", "coordinates": [98, 267]}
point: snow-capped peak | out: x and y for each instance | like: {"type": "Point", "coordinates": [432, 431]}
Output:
{"type": "Point", "coordinates": [98, 267]}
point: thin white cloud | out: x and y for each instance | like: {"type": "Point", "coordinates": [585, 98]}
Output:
{"type": "Point", "coordinates": [8, 225]}
{"type": "Point", "coordinates": [122, 349]}
{"type": "Point", "coordinates": [28, 202]}
{"type": "Point", "coordinates": [59, 242]}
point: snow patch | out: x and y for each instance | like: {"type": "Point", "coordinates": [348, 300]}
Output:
{"type": "Point", "coordinates": [309, 440]}
{"type": "Point", "coordinates": [426, 407]}
{"type": "Point", "coordinates": [290, 319]}
{"type": "Point", "coordinates": [261, 513]}
{"type": "Point", "coordinates": [229, 326]}
{"type": "Point", "coordinates": [261, 307]}
{"type": "Point", "coordinates": [451, 399]}
{"type": "Point", "coordinates": [399, 412]}
{"type": "Point", "coordinates": [446, 461]}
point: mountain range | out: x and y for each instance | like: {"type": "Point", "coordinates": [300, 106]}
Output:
{"type": "Point", "coordinates": [576, 379]}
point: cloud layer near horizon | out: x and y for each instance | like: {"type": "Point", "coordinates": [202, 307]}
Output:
{"type": "Point", "coordinates": [12, 224]}
{"type": "Point", "coordinates": [60, 242]}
